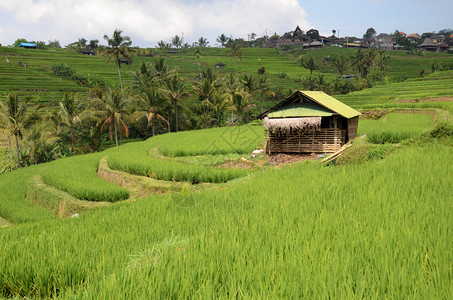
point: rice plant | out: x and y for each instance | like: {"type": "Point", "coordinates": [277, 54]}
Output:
{"type": "Point", "coordinates": [394, 128]}
{"type": "Point", "coordinates": [303, 231]}
{"type": "Point", "coordinates": [78, 177]}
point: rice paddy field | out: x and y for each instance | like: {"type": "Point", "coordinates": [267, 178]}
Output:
{"type": "Point", "coordinates": [375, 230]}
{"type": "Point", "coordinates": [192, 215]}
{"type": "Point", "coordinates": [437, 86]}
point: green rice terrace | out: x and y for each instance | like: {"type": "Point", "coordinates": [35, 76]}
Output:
{"type": "Point", "coordinates": [191, 214]}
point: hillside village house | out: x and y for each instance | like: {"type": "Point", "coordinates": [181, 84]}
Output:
{"type": "Point", "coordinates": [309, 122]}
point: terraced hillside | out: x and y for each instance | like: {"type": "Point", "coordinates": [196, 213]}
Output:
{"type": "Point", "coordinates": [437, 85]}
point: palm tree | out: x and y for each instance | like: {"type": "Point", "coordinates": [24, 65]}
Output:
{"type": "Point", "coordinates": [118, 48]}
{"type": "Point", "coordinates": [235, 51]}
{"type": "Point", "coordinates": [340, 63]}
{"type": "Point", "coordinates": [263, 85]}
{"type": "Point", "coordinates": [144, 76]}
{"type": "Point", "coordinates": [220, 104]}
{"type": "Point", "coordinates": [249, 83]}
{"type": "Point", "coordinates": [222, 39]}
{"type": "Point", "coordinates": [176, 41]}
{"type": "Point", "coordinates": [198, 55]}
{"type": "Point", "coordinates": [161, 70]}
{"type": "Point", "coordinates": [151, 103]}
{"type": "Point", "coordinates": [309, 64]}
{"type": "Point", "coordinates": [176, 89]}
{"type": "Point", "coordinates": [110, 107]}
{"type": "Point", "coordinates": [13, 114]}
{"type": "Point", "coordinates": [39, 142]}
{"type": "Point", "coordinates": [381, 62]}
{"type": "Point", "coordinates": [202, 42]}
{"type": "Point", "coordinates": [241, 101]}
{"type": "Point", "coordinates": [205, 88]}
{"type": "Point", "coordinates": [69, 112]}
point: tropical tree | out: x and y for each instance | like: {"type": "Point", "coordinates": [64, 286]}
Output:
{"type": "Point", "coordinates": [205, 89]}
{"type": "Point", "coordinates": [313, 34]}
{"type": "Point", "coordinates": [110, 107]}
{"type": "Point", "coordinates": [69, 112]}
{"type": "Point", "coordinates": [249, 83]}
{"type": "Point", "coordinates": [222, 39]}
{"type": "Point", "coordinates": [381, 62]}
{"type": "Point", "coordinates": [340, 64]}
{"type": "Point", "coordinates": [370, 33]}
{"type": "Point", "coordinates": [176, 41]}
{"type": "Point", "coordinates": [118, 48]}
{"type": "Point", "coordinates": [241, 102]}
{"type": "Point", "coordinates": [39, 142]}
{"type": "Point", "coordinates": [144, 77]}
{"type": "Point", "coordinates": [176, 89]}
{"type": "Point", "coordinates": [161, 70]}
{"type": "Point", "coordinates": [198, 56]}
{"type": "Point", "coordinates": [263, 86]}
{"type": "Point", "coordinates": [151, 103]}
{"type": "Point", "coordinates": [235, 51]}
{"type": "Point", "coordinates": [202, 42]}
{"type": "Point", "coordinates": [362, 60]}
{"type": "Point", "coordinates": [14, 116]}
{"type": "Point", "coordinates": [220, 103]}
{"type": "Point", "coordinates": [309, 64]}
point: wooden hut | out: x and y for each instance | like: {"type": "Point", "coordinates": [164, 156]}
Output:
{"type": "Point", "coordinates": [309, 122]}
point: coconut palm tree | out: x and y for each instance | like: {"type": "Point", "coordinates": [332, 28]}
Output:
{"type": "Point", "coordinates": [176, 89]}
{"type": "Point", "coordinates": [69, 113]}
{"type": "Point", "coordinates": [14, 116]}
{"type": "Point", "coordinates": [222, 39]}
{"type": "Point", "coordinates": [263, 86]}
{"type": "Point", "coordinates": [110, 107]}
{"type": "Point", "coordinates": [220, 103]}
{"type": "Point", "coordinates": [161, 70]}
{"type": "Point", "coordinates": [198, 56]}
{"type": "Point", "coordinates": [176, 41]}
{"type": "Point", "coordinates": [39, 142]}
{"type": "Point", "coordinates": [241, 101]}
{"type": "Point", "coordinates": [151, 103]}
{"type": "Point", "coordinates": [144, 77]}
{"type": "Point", "coordinates": [249, 83]}
{"type": "Point", "coordinates": [202, 42]}
{"type": "Point", "coordinates": [118, 48]}
{"type": "Point", "coordinates": [235, 51]}
{"type": "Point", "coordinates": [339, 62]}
{"type": "Point", "coordinates": [309, 63]}
{"type": "Point", "coordinates": [381, 63]}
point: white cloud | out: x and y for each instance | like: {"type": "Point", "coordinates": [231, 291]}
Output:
{"type": "Point", "coordinates": [145, 21]}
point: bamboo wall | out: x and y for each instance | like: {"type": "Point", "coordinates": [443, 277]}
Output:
{"type": "Point", "coordinates": [327, 140]}
{"type": "Point", "coordinates": [353, 124]}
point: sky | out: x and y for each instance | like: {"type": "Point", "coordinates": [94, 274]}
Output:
{"type": "Point", "coordinates": [148, 21]}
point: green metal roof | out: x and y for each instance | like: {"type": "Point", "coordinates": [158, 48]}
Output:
{"type": "Point", "coordinates": [332, 104]}
{"type": "Point", "coordinates": [300, 110]}
{"type": "Point", "coordinates": [321, 103]}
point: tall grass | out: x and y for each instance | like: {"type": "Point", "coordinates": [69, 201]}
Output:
{"type": "Point", "coordinates": [394, 128]}
{"type": "Point", "coordinates": [372, 231]}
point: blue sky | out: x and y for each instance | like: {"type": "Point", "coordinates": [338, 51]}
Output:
{"type": "Point", "coordinates": [149, 21]}
{"type": "Point", "coordinates": [353, 17]}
